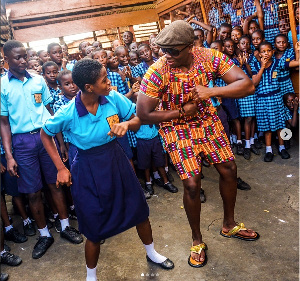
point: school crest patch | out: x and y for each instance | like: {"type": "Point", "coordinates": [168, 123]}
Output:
{"type": "Point", "coordinates": [114, 119]}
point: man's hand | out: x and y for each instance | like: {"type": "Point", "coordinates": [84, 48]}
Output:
{"type": "Point", "coordinates": [63, 177]}
{"type": "Point", "coordinates": [201, 93]}
{"type": "Point", "coordinates": [190, 108]}
{"type": "Point", "coordinates": [118, 130]}
{"type": "Point", "coordinates": [12, 167]}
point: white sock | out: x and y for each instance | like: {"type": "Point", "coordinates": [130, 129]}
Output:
{"type": "Point", "coordinates": [64, 223]}
{"type": "Point", "coordinates": [153, 255]}
{"type": "Point", "coordinates": [234, 138]}
{"type": "Point", "coordinates": [26, 221]}
{"type": "Point", "coordinates": [269, 149]}
{"type": "Point", "coordinates": [55, 216]}
{"type": "Point", "coordinates": [72, 207]}
{"type": "Point", "coordinates": [167, 169]}
{"type": "Point", "coordinates": [150, 179]}
{"type": "Point", "coordinates": [251, 141]}
{"type": "Point", "coordinates": [255, 135]}
{"type": "Point", "coordinates": [148, 182]}
{"type": "Point", "coordinates": [91, 274]}
{"type": "Point", "coordinates": [45, 231]}
{"type": "Point", "coordinates": [8, 228]}
{"type": "Point", "coordinates": [2, 252]}
{"type": "Point", "coordinates": [156, 175]}
{"type": "Point", "coordinates": [247, 145]}
{"type": "Point", "coordinates": [281, 147]}
{"type": "Point", "coordinates": [239, 141]}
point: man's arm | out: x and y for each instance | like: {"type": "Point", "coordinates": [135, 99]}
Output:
{"type": "Point", "coordinates": [239, 86]}
{"type": "Point", "coordinates": [6, 141]}
{"type": "Point", "coordinates": [145, 109]}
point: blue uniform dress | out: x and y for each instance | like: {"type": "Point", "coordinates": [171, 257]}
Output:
{"type": "Point", "coordinates": [55, 95]}
{"type": "Point", "coordinates": [247, 105]}
{"type": "Point", "coordinates": [271, 20]}
{"type": "Point", "coordinates": [270, 112]}
{"type": "Point", "coordinates": [284, 79]}
{"type": "Point", "coordinates": [235, 14]}
{"type": "Point", "coordinates": [107, 194]}
{"type": "Point", "coordinates": [63, 100]}
{"type": "Point", "coordinates": [23, 102]}
{"type": "Point", "coordinates": [214, 18]}
{"type": "Point", "coordinates": [117, 83]}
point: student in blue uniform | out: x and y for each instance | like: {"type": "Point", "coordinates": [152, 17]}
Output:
{"type": "Point", "coordinates": [270, 112]}
{"type": "Point", "coordinates": [25, 107]}
{"type": "Point", "coordinates": [284, 54]}
{"type": "Point", "coordinates": [147, 59]}
{"type": "Point", "coordinates": [106, 192]}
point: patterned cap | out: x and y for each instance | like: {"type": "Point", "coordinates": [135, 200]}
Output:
{"type": "Point", "coordinates": [177, 33]}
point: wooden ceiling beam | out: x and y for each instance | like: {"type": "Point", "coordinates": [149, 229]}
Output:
{"type": "Point", "coordinates": [85, 25]}
{"type": "Point", "coordinates": [25, 10]}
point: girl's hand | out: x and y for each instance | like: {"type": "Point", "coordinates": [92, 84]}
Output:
{"type": "Point", "coordinates": [63, 177]}
{"type": "Point", "coordinates": [136, 87]}
{"type": "Point", "coordinates": [123, 74]}
{"type": "Point", "coordinates": [190, 108]}
{"type": "Point", "coordinates": [296, 103]}
{"type": "Point", "coordinates": [128, 72]}
{"type": "Point", "coordinates": [118, 130]}
{"type": "Point", "coordinates": [64, 63]}
{"type": "Point", "coordinates": [263, 62]}
{"type": "Point", "coordinates": [178, 12]}
{"type": "Point", "coordinates": [240, 60]}
{"type": "Point", "coordinates": [3, 169]}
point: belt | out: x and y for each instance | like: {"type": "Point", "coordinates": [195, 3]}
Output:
{"type": "Point", "coordinates": [35, 131]}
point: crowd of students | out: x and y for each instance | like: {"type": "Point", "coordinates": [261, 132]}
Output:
{"type": "Point", "coordinates": [257, 41]}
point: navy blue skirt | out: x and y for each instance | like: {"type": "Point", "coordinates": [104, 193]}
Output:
{"type": "Point", "coordinates": [107, 194]}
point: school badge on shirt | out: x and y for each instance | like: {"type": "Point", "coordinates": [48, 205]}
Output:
{"type": "Point", "coordinates": [274, 74]}
{"type": "Point", "coordinates": [239, 12]}
{"type": "Point", "coordinates": [115, 88]}
{"type": "Point", "coordinates": [114, 119]}
{"type": "Point", "coordinates": [38, 97]}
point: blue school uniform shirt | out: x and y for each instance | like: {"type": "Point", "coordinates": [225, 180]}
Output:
{"type": "Point", "coordinates": [117, 82]}
{"type": "Point", "coordinates": [235, 14]}
{"type": "Point", "coordinates": [147, 132]}
{"type": "Point", "coordinates": [194, 25]}
{"type": "Point", "coordinates": [85, 130]}
{"type": "Point", "coordinates": [24, 102]}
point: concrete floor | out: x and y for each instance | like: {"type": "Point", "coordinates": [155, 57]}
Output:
{"type": "Point", "coordinates": [271, 208]}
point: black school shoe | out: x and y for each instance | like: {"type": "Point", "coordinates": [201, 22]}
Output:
{"type": "Point", "coordinates": [15, 236]}
{"type": "Point", "coordinates": [257, 143]}
{"type": "Point", "coordinates": [29, 229]}
{"type": "Point", "coordinates": [170, 187]}
{"type": "Point", "coordinates": [72, 235]}
{"type": "Point", "coordinates": [57, 224]}
{"type": "Point", "coordinates": [239, 149]}
{"type": "Point", "coordinates": [269, 157]}
{"type": "Point", "coordinates": [242, 185]}
{"type": "Point", "coordinates": [10, 259]}
{"type": "Point", "coordinates": [284, 154]}
{"type": "Point", "coordinates": [149, 188]}
{"type": "Point", "coordinates": [41, 246]}
{"type": "Point", "coordinates": [159, 182]}
{"type": "Point", "coordinates": [3, 276]}
{"type": "Point", "coordinates": [247, 153]}
{"type": "Point", "coordinates": [254, 150]}
{"type": "Point", "coordinates": [202, 196]}
{"type": "Point", "coordinates": [167, 264]}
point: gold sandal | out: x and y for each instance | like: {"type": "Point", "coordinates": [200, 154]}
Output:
{"type": "Point", "coordinates": [197, 249]}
